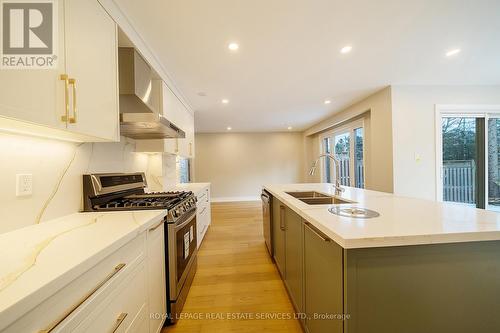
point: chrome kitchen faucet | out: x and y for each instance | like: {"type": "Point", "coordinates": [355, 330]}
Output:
{"type": "Point", "coordinates": [336, 162]}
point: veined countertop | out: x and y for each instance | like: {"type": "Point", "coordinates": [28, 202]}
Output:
{"type": "Point", "coordinates": [402, 220]}
{"type": "Point", "coordinates": [36, 261]}
{"type": "Point", "coordinates": [194, 187]}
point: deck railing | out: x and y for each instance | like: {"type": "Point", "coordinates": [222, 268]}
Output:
{"type": "Point", "coordinates": [459, 181]}
{"type": "Point", "coordinates": [345, 176]}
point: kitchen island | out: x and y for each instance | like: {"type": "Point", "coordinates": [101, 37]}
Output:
{"type": "Point", "coordinates": [420, 266]}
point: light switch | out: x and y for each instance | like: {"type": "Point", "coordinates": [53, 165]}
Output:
{"type": "Point", "coordinates": [24, 185]}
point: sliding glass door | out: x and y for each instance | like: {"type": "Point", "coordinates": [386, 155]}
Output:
{"type": "Point", "coordinates": [346, 144]}
{"type": "Point", "coordinates": [469, 159]}
{"type": "Point", "coordinates": [459, 159]}
{"type": "Point", "coordinates": [493, 176]}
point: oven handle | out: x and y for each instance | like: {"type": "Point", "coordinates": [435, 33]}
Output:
{"type": "Point", "coordinates": [188, 220]}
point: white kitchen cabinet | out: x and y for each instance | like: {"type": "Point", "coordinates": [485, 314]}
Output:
{"type": "Point", "coordinates": [92, 61]}
{"type": "Point", "coordinates": [36, 95]}
{"type": "Point", "coordinates": [156, 278]}
{"type": "Point", "coordinates": [71, 305]}
{"type": "Point", "coordinates": [80, 96]}
{"type": "Point", "coordinates": [203, 213]}
{"type": "Point", "coordinates": [116, 295]}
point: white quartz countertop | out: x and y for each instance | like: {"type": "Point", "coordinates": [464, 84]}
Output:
{"type": "Point", "coordinates": [38, 260]}
{"type": "Point", "coordinates": [194, 187]}
{"type": "Point", "coordinates": [402, 220]}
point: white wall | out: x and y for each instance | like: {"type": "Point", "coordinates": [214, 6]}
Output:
{"type": "Point", "coordinates": [413, 119]}
{"type": "Point", "coordinates": [238, 164]}
{"type": "Point", "coordinates": [57, 169]}
{"type": "Point", "coordinates": [376, 110]}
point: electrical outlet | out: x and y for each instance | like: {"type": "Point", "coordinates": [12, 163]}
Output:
{"type": "Point", "coordinates": [24, 185]}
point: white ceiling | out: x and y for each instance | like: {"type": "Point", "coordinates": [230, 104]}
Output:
{"type": "Point", "coordinates": [289, 60]}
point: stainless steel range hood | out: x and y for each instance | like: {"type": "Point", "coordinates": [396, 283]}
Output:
{"type": "Point", "coordinates": [139, 100]}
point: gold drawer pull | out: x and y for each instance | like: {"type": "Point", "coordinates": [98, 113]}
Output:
{"type": "Point", "coordinates": [73, 119]}
{"type": "Point", "coordinates": [65, 78]}
{"type": "Point", "coordinates": [323, 238]}
{"type": "Point", "coordinates": [119, 321]}
{"type": "Point", "coordinates": [66, 314]}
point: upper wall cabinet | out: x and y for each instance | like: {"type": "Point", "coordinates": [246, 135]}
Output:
{"type": "Point", "coordinates": [79, 97]}
{"type": "Point", "coordinates": [175, 111]}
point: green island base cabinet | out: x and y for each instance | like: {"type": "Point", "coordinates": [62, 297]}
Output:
{"type": "Point", "coordinates": [437, 288]}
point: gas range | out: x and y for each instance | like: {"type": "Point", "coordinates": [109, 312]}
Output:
{"type": "Point", "coordinates": [118, 192]}
{"type": "Point", "coordinates": [126, 191]}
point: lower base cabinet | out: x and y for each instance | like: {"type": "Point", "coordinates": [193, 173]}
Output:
{"type": "Point", "coordinates": [157, 295]}
{"type": "Point", "coordinates": [294, 258]}
{"type": "Point", "coordinates": [322, 281]}
{"type": "Point", "coordinates": [116, 295]}
{"type": "Point", "coordinates": [278, 235]}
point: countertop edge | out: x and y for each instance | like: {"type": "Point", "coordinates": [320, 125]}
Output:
{"type": "Point", "coordinates": [385, 241]}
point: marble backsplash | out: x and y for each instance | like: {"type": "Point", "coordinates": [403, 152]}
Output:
{"type": "Point", "coordinates": [57, 169]}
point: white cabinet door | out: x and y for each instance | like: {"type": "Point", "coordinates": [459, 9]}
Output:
{"type": "Point", "coordinates": [36, 96]}
{"type": "Point", "coordinates": [91, 60]}
{"type": "Point", "coordinates": [156, 278]}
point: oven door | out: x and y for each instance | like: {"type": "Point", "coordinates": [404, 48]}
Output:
{"type": "Point", "coordinates": [182, 252]}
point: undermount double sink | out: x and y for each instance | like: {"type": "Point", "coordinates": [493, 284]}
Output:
{"type": "Point", "coordinates": [317, 198]}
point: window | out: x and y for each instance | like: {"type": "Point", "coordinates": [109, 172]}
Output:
{"type": "Point", "coordinates": [346, 143]}
{"type": "Point", "coordinates": [468, 163]}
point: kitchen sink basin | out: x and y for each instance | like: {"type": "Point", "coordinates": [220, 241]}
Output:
{"type": "Point", "coordinates": [308, 194]}
{"type": "Point", "coordinates": [324, 201]}
{"type": "Point", "coordinates": [317, 198]}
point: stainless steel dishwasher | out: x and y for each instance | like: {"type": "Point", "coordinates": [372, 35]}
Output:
{"type": "Point", "coordinates": [267, 219]}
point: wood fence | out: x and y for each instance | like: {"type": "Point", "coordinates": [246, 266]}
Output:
{"type": "Point", "coordinates": [459, 181]}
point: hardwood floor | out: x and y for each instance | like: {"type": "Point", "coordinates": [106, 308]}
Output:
{"type": "Point", "coordinates": [236, 283]}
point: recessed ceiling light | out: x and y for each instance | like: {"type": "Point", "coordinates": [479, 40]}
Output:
{"type": "Point", "coordinates": [290, 128]}
{"type": "Point", "coordinates": [452, 52]}
{"type": "Point", "coordinates": [202, 94]}
{"type": "Point", "coordinates": [328, 101]}
{"type": "Point", "coordinates": [229, 128]}
{"type": "Point", "coordinates": [346, 49]}
{"type": "Point", "coordinates": [225, 101]}
{"type": "Point", "coordinates": [233, 46]}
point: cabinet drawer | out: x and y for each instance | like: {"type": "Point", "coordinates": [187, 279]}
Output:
{"type": "Point", "coordinates": [123, 310]}
{"type": "Point", "coordinates": [72, 303]}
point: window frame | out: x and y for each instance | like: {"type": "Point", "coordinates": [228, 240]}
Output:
{"type": "Point", "coordinates": [349, 127]}
{"type": "Point", "coordinates": [467, 111]}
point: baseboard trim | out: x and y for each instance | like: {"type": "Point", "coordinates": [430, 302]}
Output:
{"type": "Point", "coordinates": [235, 199]}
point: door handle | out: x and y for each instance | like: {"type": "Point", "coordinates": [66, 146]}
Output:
{"type": "Point", "coordinates": [65, 117]}
{"type": "Point", "coordinates": [282, 218]}
{"type": "Point", "coordinates": [72, 82]}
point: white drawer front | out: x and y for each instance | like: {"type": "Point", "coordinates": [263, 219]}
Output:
{"type": "Point", "coordinates": [67, 302]}
{"type": "Point", "coordinates": [123, 310]}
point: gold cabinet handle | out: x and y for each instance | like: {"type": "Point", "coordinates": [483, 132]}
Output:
{"type": "Point", "coordinates": [65, 117]}
{"type": "Point", "coordinates": [119, 321]}
{"type": "Point", "coordinates": [323, 238]}
{"type": "Point", "coordinates": [66, 314]}
{"type": "Point", "coordinates": [190, 149]}
{"type": "Point", "coordinates": [72, 81]}
{"type": "Point", "coordinates": [176, 145]}
{"type": "Point", "coordinates": [282, 218]}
